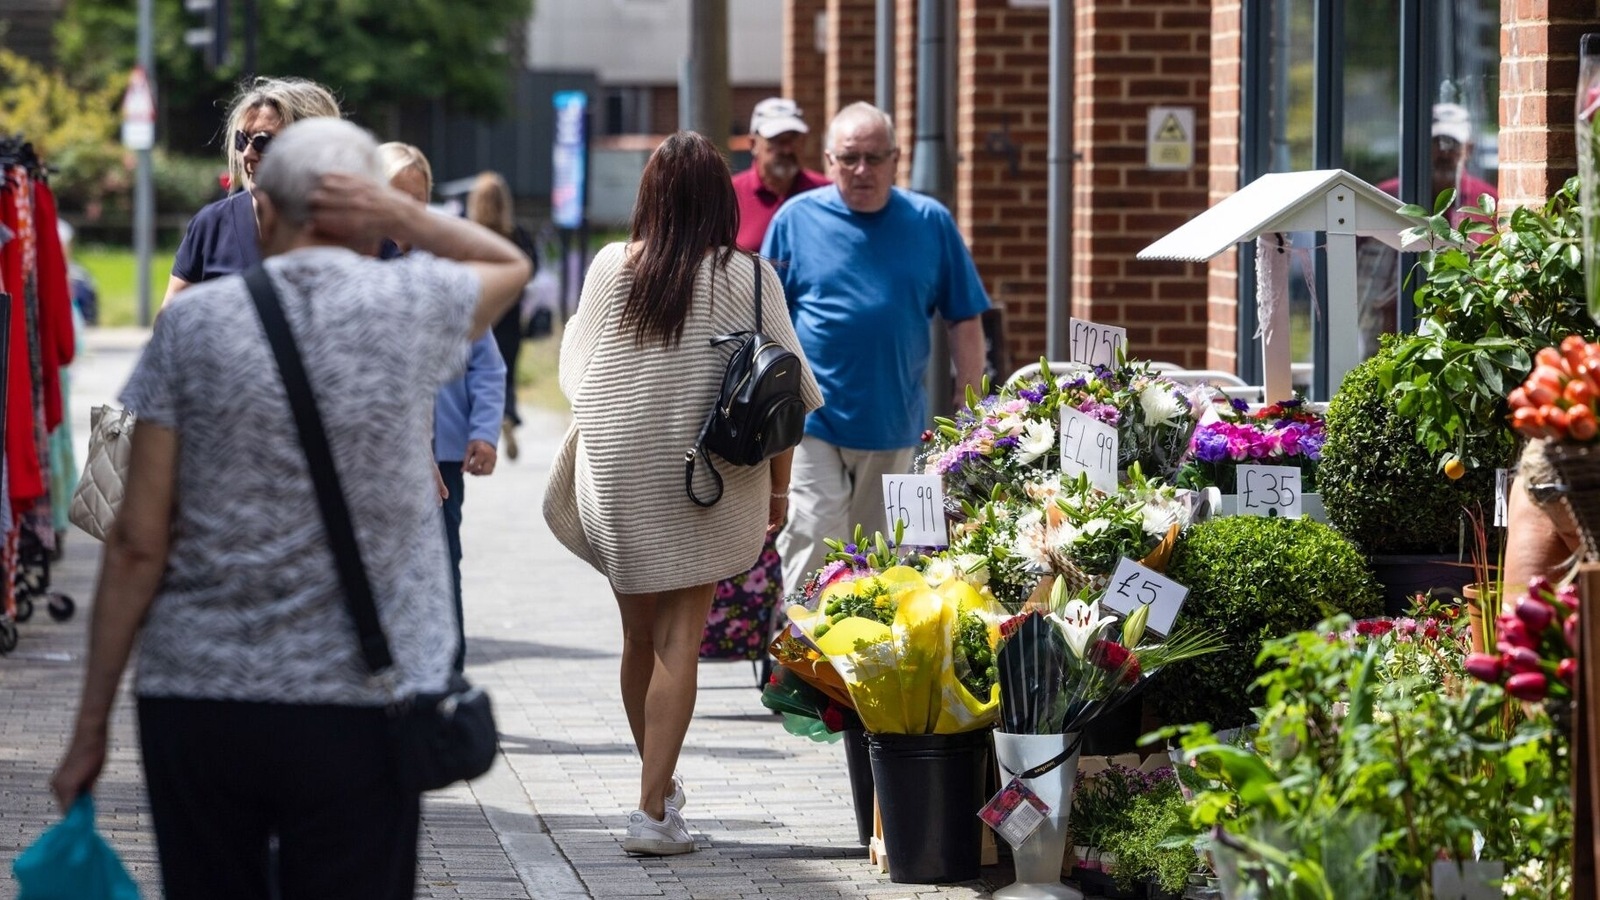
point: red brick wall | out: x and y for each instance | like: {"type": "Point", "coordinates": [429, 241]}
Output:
{"type": "Point", "coordinates": [850, 74]}
{"type": "Point", "coordinates": [804, 70]}
{"type": "Point", "coordinates": [1538, 81]}
{"type": "Point", "coordinates": [1002, 138]}
{"type": "Point", "coordinates": [1222, 348]}
{"type": "Point", "coordinates": [1134, 55]}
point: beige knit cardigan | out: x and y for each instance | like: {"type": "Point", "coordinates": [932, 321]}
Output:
{"type": "Point", "coordinates": [616, 495]}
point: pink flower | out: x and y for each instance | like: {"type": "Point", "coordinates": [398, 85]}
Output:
{"type": "Point", "coordinates": [1530, 686]}
{"type": "Point", "coordinates": [724, 590]}
{"type": "Point", "coordinates": [1484, 667]}
{"type": "Point", "coordinates": [756, 581]}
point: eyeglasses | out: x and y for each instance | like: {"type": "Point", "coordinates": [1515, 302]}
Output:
{"type": "Point", "coordinates": [873, 160]}
{"type": "Point", "coordinates": [258, 141]}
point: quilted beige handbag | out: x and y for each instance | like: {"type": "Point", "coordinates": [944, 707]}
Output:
{"type": "Point", "coordinates": [99, 494]}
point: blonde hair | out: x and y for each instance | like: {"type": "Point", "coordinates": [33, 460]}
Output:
{"type": "Point", "coordinates": [292, 99]}
{"type": "Point", "coordinates": [396, 157]}
{"type": "Point", "coordinates": [489, 203]}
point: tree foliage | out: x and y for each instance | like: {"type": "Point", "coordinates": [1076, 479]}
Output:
{"type": "Point", "coordinates": [372, 53]}
{"type": "Point", "coordinates": [74, 130]}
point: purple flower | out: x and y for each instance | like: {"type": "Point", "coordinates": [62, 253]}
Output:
{"type": "Point", "coordinates": [1239, 405]}
{"type": "Point", "coordinates": [1033, 394]}
{"type": "Point", "coordinates": [1007, 442]}
{"type": "Point", "coordinates": [1210, 446]}
{"type": "Point", "coordinates": [860, 560]}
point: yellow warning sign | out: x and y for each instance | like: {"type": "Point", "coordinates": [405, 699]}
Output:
{"type": "Point", "coordinates": [1169, 136]}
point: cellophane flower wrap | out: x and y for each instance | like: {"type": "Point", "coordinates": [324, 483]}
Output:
{"type": "Point", "coordinates": [1010, 437]}
{"type": "Point", "coordinates": [1288, 433]}
{"type": "Point", "coordinates": [1063, 527]}
{"type": "Point", "coordinates": [1062, 668]}
{"type": "Point", "coordinates": [913, 647]}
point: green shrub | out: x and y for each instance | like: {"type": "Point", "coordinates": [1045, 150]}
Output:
{"type": "Point", "coordinates": [1151, 844]}
{"type": "Point", "coordinates": [1380, 487]}
{"type": "Point", "coordinates": [1253, 579]}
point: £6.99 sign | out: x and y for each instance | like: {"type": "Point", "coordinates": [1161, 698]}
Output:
{"type": "Point", "coordinates": [918, 501]}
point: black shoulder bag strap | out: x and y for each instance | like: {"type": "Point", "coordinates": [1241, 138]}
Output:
{"type": "Point", "coordinates": [319, 459]}
{"type": "Point", "coordinates": [698, 451]}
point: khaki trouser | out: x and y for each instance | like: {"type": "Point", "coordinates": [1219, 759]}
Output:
{"type": "Point", "coordinates": [831, 490]}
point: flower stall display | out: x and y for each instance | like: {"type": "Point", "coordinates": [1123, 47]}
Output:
{"type": "Point", "coordinates": [1534, 657]}
{"type": "Point", "coordinates": [1063, 527]}
{"type": "Point", "coordinates": [1010, 437]}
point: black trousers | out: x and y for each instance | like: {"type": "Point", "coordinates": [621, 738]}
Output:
{"type": "Point", "coordinates": [226, 777]}
{"type": "Point", "coordinates": [508, 336]}
{"type": "Point", "coordinates": [455, 484]}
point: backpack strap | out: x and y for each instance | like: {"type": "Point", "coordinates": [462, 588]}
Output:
{"type": "Point", "coordinates": [698, 452]}
{"type": "Point", "coordinates": [756, 260]}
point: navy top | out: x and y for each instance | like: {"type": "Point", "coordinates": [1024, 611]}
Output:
{"type": "Point", "coordinates": [222, 240]}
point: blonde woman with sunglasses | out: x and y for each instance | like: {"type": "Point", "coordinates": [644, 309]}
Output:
{"type": "Point", "coordinates": [222, 237]}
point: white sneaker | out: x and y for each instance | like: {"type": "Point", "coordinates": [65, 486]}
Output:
{"type": "Point", "coordinates": [677, 798]}
{"type": "Point", "coordinates": [648, 837]}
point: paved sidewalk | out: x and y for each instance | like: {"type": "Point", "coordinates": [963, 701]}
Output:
{"type": "Point", "coordinates": [770, 811]}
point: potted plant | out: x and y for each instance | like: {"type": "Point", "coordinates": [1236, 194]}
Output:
{"type": "Point", "coordinates": [1289, 433]}
{"type": "Point", "coordinates": [1252, 579]}
{"type": "Point", "coordinates": [1384, 491]}
{"type": "Point", "coordinates": [1102, 805]}
{"type": "Point", "coordinates": [1152, 843]}
{"type": "Point", "coordinates": [1490, 296]}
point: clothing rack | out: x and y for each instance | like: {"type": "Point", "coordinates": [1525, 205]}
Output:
{"type": "Point", "coordinates": [36, 343]}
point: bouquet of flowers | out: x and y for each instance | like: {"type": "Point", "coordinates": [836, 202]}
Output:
{"type": "Point", "coordinates": [1063, 668]}
{"type": "Point", "coordinates": [913, 647]}
{"type": "Point", "coordinates": [1283, 434]}
{"type": "Point", "coordinates": [1009, 437]}
{"type": "Point", "coordinates": [1062, 527]}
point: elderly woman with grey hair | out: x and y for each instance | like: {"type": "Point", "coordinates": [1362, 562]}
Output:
{"type": "Point", "coordinates": [221, 238]}
{"type": "Point", "coordinates": [257, 715]}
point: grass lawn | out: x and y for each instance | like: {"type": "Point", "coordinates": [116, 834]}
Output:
{"type": "Point", "coordinates": [115, 272]}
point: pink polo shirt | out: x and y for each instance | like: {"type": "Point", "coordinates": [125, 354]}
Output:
{"type": "Point", "coordinates": [757, 204]}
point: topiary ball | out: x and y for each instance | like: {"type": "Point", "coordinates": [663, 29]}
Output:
{"type": "Point", "coordinates": [1380, 487]}
{"type": "Point", "coordinates": [1251, 579]}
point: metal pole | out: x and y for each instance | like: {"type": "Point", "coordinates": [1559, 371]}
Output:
{"type": "Point", "coordinates": [1418, 65]}
{"type": "Point", "coordinates": [144, 195]}
{"type": "Point", "coordinates": [1058, 277]}
{"type": "Point", "coordinates": [250, 30]}
{"type": "Point", "coordinates": [708, 70]}
{"type": "Point", "coordinates": [930, 169]}
{"type": "Point", "coordinates": [884, 87]}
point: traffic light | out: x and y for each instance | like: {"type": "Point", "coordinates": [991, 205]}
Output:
{"type": "Point", "coordinates": [213, 35]}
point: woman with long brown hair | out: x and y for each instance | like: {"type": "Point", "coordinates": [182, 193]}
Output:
{"type": "Point", "coordinates": [489, 204]}
{"type": "Point", "coordinates": [641, 374]}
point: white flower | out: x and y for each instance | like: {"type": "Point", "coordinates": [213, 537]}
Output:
{"type": "Point", "coordinates": [1080, 624]}
{"type": "Point", "coordinates": [1045, 489]}
{"type": "Point", "coordinates": [1158, 517]}
{"type": "Point", "coordinates": [1036, 439]}
{"type": "Point", "coordinates": [938, 572]}
{"type": "Point", "coordinates": [1008, 426]}
{"type": "Point", "coordinates": [1093, 527]}
{"type": "Point", "coordinates": [1160, 404]}
{"type": "Point", "coordinates": [1033, 539]}
{"type": "Point", "coordinates": [974, 569]}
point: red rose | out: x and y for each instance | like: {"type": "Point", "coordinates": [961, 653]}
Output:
{"type": "Point", "coordinates": [1010, 626]}
{"type": "Point", "coordinates": [1113, 657]}
{"type": "Point", "coordinates": [833, 718]}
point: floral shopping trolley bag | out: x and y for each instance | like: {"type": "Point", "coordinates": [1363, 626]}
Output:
{"type": "Point", "coordinates": [740, 623]}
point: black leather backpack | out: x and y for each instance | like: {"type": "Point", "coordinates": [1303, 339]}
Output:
{"type": "Point", "coordinates": [759, 412]}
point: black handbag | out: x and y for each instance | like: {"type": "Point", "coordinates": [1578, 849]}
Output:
{"type": "Point", "coordinates": [436, 738]}
{"type": "Point", "coordinates": [759, 411]}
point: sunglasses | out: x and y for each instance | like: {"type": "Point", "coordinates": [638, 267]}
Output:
{"type": "Point", "coordinates": [259, 141]}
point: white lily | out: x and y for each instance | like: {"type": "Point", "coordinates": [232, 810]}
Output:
{"type": "Point", "coordinates": [1081, 624]}
{"type": "Point", "coordinates": [1036, 439]}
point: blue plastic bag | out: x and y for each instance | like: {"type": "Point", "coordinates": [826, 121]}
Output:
{"type": "Point", "coordinates": [72, 862]}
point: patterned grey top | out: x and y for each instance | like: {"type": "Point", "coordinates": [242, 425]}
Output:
{"type": "Point", "coordinates": [250, 606]}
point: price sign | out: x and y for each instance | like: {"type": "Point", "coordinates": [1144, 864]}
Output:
{"type": "Point", "coordinates": [1089, 445]}
{"type": "Point", "coordinates": [1132, 586]}
{"type": "Point", "coordinates": [918, 501]}
{"type": "Point", "coordinates": [1097, 345]}
{"type": "Point", "coordinates": [1269, 491]}
{"type": "Point", "coordinates": [1502, 496]}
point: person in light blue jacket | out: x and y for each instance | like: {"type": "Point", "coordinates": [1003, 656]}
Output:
{"type": "Point", "coordinates": [467, 411]}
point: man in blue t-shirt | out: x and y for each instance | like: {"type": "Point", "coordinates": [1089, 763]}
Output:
{"type": "Point", "coordinates": [865, 266]}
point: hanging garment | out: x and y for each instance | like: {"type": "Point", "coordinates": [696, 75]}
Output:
{"type": "Point", "coordinates": [17, 257]}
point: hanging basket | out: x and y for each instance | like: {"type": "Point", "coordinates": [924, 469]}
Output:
{"type": "Point", "coordinates": [1578, 466]}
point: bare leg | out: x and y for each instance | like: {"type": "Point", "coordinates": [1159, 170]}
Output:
{"type": "Point", "coordinates": [638, 658]}
{"type": "Point", "coordinates": [679, 621]}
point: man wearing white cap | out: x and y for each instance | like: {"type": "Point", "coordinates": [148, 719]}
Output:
{"type": "Point", "coordinates": [1378, 264]}
{"type": "Point", "coordinates": [778, 136]}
